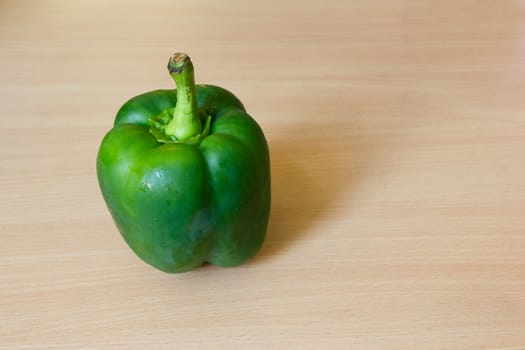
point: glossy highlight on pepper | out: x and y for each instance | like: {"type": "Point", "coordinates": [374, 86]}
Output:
{"type": "Point", "coordinates": [185, 174]}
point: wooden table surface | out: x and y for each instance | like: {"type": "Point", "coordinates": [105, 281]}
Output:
{"type": "Point", "coordinates": [397, 140]}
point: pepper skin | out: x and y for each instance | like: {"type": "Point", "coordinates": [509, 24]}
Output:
{"type": "Point", "coordinates": [185, 174]}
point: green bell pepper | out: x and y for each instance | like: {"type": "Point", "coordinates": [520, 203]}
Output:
{"type": "Point", "coordinates": [185, 174]}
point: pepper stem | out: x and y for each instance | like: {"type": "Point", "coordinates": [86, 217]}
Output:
{"type": "Point", "coordinates": [186, 121]}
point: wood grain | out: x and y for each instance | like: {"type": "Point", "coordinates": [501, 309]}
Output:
{"type": "Point", "coordinates": [396, 131]}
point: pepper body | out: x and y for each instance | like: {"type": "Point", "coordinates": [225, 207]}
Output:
{"type": "Point", "coordinates": [180, 204]}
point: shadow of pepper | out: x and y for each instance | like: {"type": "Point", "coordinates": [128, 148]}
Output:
{"type": "Point", "coordinates": [309, 175]}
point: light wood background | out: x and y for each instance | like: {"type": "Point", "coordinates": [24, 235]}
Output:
{"type": "Point", "coordinates": [397, 137]}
